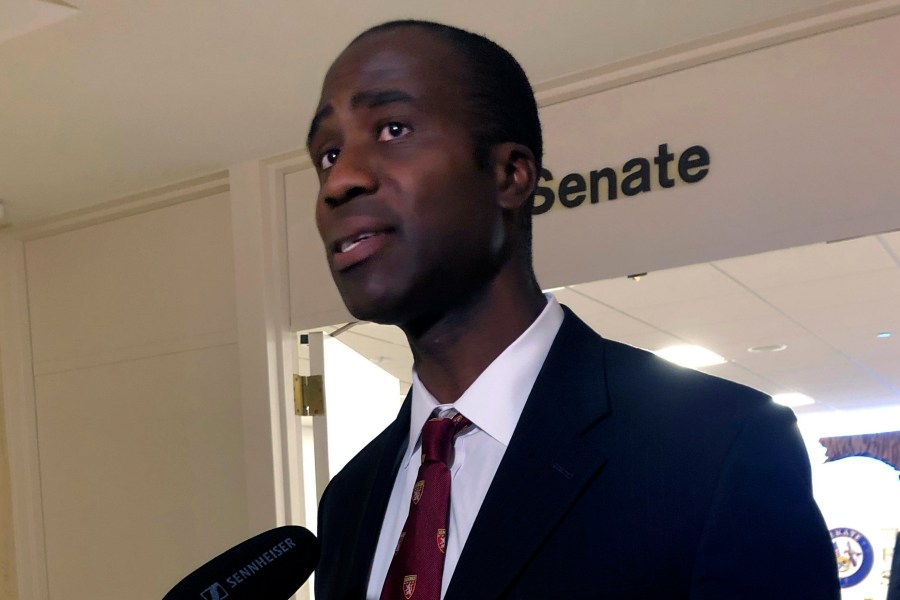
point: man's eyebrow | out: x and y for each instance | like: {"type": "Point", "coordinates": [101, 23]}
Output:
{"type": "Point", "coordinates": [367, 99]}
{"type": "Point", "coordinates": [320, 116]}
{"type": "Point", "coordinates": [375, 98]}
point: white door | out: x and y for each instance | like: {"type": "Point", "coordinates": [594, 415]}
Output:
{"type": "Point", "coordinates": [361, 399]}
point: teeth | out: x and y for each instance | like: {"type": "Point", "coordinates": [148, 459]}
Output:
{"type": "Point", "coordinates": [350, 245]}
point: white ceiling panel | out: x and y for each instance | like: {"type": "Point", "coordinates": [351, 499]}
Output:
{"type": "Point", "coordinates": [854, 328]}
{"type": "Point", "coordinates": [609, 322]}
{"type": "Point", "coordinates": [680, 318]}
{"type": "Point", "coordinates": [736, 372]}
{"type": "Point", "coordinates": [736, 336]}
{"type": "Point", "coordinates": [802, 352]}
{"type": "Point", "coordinates": [673, 285]}
{"type": "Point", "coordinates": [829, 372]}
{"type": "Point", "coordinates": [808, 263]}
{"type": "Point", "coordinates": [883, 365]}
{"type": "Point", "coordinates": [853, 289]}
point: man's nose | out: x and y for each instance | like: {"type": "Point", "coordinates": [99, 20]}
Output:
{"type": "Point", "coordinates": [351, 175]}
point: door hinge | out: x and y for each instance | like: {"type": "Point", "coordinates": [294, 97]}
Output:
{"type": "Point", "coordinates": [309, 395]}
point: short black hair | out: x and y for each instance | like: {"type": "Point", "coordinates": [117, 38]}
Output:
{"type": "Point", "coordinates": [503, 105]}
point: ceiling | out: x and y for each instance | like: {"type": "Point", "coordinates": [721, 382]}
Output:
{"type": "Point", "coordinates": [825, 303]}
{"type": "Point", "coordinates": [100, 99]}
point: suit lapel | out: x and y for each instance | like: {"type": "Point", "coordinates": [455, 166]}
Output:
{"type": "Point", "coordinates": [549, 462]}
{"type": "Point", "coordinates": [377, 492]}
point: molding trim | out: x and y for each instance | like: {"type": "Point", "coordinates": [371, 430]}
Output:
{"type": "Point", "coordinates": [282, 164]}
{"type": "Point", "coordinates": [21, 424]}
{"type": "Point", "coordinates": [838, 15]}
{"type": "Point", "coordinates": [176, 193]}
{"type": "Point", "coordinates": [286, 360]}
{"type": "Point", "coordinates": [267, 349]}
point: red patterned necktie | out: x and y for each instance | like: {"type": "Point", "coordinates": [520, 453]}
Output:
{"type": "Point", "coordinates": [418, 564]}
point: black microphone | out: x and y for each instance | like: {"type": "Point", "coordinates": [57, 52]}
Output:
{"type": "Point", "coordinates": [270, 566]}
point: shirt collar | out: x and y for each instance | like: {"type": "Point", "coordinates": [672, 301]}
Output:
{"type": "Point", "coordinates": [495, 400]}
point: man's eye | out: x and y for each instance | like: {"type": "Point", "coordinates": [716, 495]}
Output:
{"type": "Point", "coordinates": [392, 131]}
{"type": "Point", "coordinates": [328, 159]}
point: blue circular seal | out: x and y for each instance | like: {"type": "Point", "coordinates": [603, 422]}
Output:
{"type": "Point", "coordinates": [853, 554]}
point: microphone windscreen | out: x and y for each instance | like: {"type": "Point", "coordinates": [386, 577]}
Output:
{"type": "Point", "coordinates": [270, 566]}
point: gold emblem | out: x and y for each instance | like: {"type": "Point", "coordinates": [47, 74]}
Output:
{"type": "Point", "coordinates": [409, 586]}
{"type": "Point", "coordinates": [442, 540]}
{"type": "Point", "coordinates": [418, 490]}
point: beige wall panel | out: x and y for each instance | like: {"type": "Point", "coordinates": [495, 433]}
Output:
{"type": "Point", "coordinates": [150, 283]}
{"type": "Point", "coordinates": [137, 399]}
{"type": "Point", "coordinates": [142, 472]}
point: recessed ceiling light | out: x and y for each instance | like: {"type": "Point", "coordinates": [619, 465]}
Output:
{"type": "Point", "coordinates": [636, 276]}
{"type": "Point", "coordinates": [768, 348]}
{"type": "Point", "coordinates": [883, 335]}
{"type": "Point", "coordinates": [793, 399]}
{"type": "Point", "coordinates": [691, 356]}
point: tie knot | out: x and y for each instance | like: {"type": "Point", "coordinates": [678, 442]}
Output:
{"type": "Point", "coordinates": [437, 437]}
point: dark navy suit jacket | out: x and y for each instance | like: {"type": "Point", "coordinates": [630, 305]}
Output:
{"type": "Point", "coordinates": [626, 477]}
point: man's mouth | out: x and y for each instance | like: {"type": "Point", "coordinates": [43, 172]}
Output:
{"type": "Point", "coordinates": [355, 249]}
{"type": "Point", "coordinates": [350, 244]}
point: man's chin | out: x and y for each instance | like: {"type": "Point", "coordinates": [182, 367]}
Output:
{"type": "Point", "coordinates": [381, 309]}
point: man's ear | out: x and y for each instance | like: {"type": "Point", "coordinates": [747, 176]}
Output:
{"type": "Point", "coordinates": [516, 174]}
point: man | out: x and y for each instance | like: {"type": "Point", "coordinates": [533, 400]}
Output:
{"type": "Point", "coordinates": [591, 469]}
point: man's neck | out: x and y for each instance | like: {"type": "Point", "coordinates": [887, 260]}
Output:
{"type": "Point", "coordinates": [451, 353]}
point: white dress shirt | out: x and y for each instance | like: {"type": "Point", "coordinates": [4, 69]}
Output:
{"type": "Point", "coordinates": [493, 404]}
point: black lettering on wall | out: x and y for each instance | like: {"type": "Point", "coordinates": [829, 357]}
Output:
{"type": "Point", "coordinates": [612, 190]}
{"type": "Point", "coordinates": [695, 157]}
{"type": "Point", "coordinates": [543, 192]}
{"type": "Point", "coordinates": [636, 176]}
{"type": "Point", "coordinates": [662, 160]}
{"type": "Point", "coordinates": [639, 180]}
{"type": "Point", "coordinates": [573, 183]}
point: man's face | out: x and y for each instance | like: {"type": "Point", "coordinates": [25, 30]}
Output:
{"type": "Point", "coordinates": [411, 226]}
